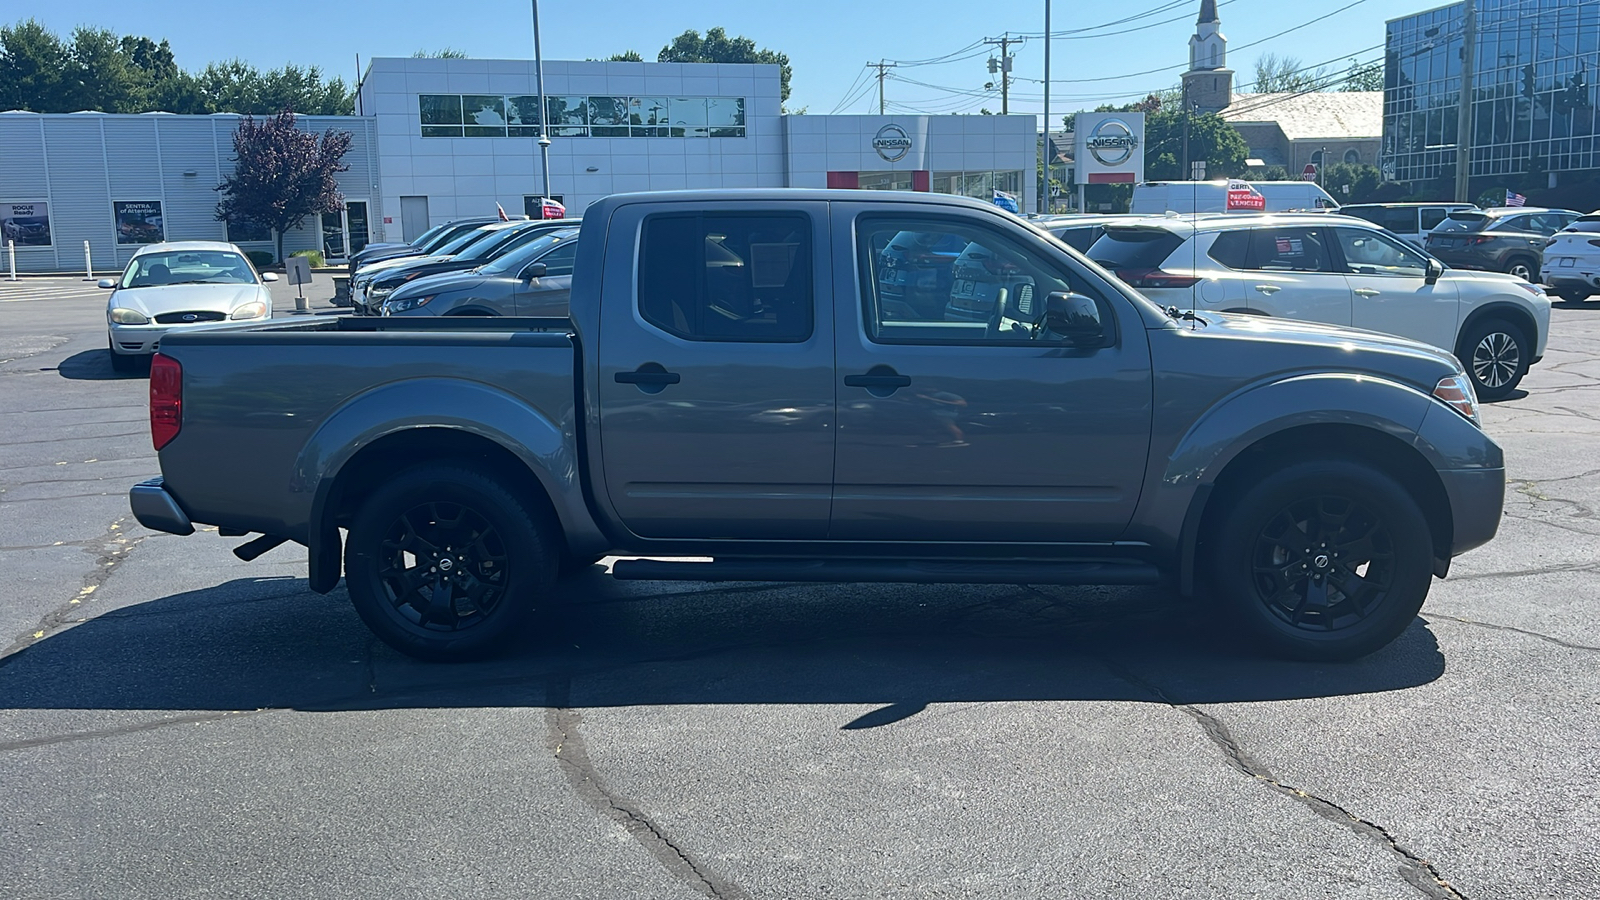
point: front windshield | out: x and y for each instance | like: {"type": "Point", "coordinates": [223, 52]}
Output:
{"type": "Point", "coordinates": [489, 243]}
{"type": "Point", "coordinates": [188, 267]}
{"type": "Point", "coordinates": [423, 238]}
{"type": "Point", "coordinates": [526, 253]}
{"type": "Point", "coordinates": [461, 240]}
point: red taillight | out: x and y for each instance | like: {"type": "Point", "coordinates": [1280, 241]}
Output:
{"type": "Point", "coordinates": [1155, 278]}
{"type": "Point", "coordinates": [166, 399]}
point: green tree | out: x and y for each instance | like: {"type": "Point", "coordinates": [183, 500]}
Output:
{"type": "Point", "coordinates": [1363, 78]}
{"type": "Point", "coordinates": [717, 47]}
{"type": "Point", "coordinates": [1351, 182]}
{"type": "Point", "coordinates": [282, 174]}
{"type": "Point", "coordinates": [625, 56]}
{"type": "Point", "coordinates": [1286, 75]}
{"type": "Point", "coordinates": [33, 65]}
{"type": "Point", "coordinates": [442, 53]}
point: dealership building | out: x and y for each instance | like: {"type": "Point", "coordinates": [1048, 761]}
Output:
{"type": "Point", "coordinates": [439, 139]}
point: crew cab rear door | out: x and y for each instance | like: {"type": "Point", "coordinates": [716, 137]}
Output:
{"type": "Point", "coordinates": [964, 424]}
{"type": "Point", "coordinates": [716, 371]}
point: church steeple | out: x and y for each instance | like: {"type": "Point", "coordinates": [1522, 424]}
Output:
{"type": "Point", "coordinates": [1208, 12]}
{"type": "Point", "coordinates": [1208, 85]}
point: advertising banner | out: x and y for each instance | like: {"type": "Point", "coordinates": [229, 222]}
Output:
{"type": "Point", "coordinates": [28, 224]}
{"type": "Point", "coordinates": [1110, 148]}
{"type": "Point", "coordinates": [1242, 196]}
{"type": "Point", "coordinates": [139, 221]}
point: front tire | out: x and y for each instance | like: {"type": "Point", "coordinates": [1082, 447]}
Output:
{"type": "Point", "coordinates": [120, 363]}
{"type": "Point", "coordinates": [1495, 353]}
{"type": "Point", "coordinates": [1322, 560]}
{"type": "Point", "coordinates": [444, 564]}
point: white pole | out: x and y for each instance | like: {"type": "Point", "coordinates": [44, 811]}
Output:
{"type": "Point", "coordinates": [11, 250]}
{"type": "Point", "coordinates": [544, 111]}
{"type": "Point", "coordinates": [88, 263]}
{"type": "Point", "coordinates": [1043, 200]}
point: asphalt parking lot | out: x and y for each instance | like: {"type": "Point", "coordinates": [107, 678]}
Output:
{"type": "Point", "coordinates": [177, 723]}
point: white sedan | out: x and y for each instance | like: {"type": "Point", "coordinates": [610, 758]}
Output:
{"type": "Point", "coordinates": [1571, 263]}
{"type": "Point", "coordinates": [172, 285]}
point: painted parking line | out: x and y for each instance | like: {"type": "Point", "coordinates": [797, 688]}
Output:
{"type": "Point", "coordinates": [14, 291]}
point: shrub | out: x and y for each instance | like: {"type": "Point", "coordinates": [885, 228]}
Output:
{"type": "Point", "coordinates": [259, 258]}
{"type": "Point", "coordinates": [315, 256]}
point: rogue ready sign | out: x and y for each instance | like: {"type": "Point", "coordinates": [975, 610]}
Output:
{"type": "Point", "coordinates": [1110, 148]}
{"type": "Point", "coordinates": [892, 143]}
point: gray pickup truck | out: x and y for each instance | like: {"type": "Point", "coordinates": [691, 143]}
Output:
{"type": "Point", "coordinates": [806, 386]}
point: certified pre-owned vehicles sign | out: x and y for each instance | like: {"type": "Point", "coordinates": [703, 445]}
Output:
{"type": "Point", "coordinates": [1112, 142]}
{"type": "Point", "coordinates": [892, 142]}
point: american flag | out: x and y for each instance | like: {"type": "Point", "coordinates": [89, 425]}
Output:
{"type": "Point", "coordinates": [1515, 199]}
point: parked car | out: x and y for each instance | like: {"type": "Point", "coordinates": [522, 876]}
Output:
{"type": "Point", "coordinates": [427, 242]}
{"type": "Point", "coordinates": [916, 269]}
{"type": "Point", "coordinates": [765, 421]}
{"type": "Point", "coordinates": [1079, 232]}
{"type": "Point", "coordinates": [1570, 264]}
{"type": "Point", "coordinates": [1410, 222]}
{"type": "Point", "coordinates": [1508, 240]}
{"type": "Point", "coordinates": [491, 242]}
{"type": "Point", "coordinates": [1338, 270]}
{"type": "Point", "coordinates": [1160, 197]}
{"type": "Point", "coordinates": [532, 280]}
{"type": "Point", "coordinates": [170, 286]}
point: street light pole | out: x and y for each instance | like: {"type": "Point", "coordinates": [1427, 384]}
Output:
{"type": "Point", "coordinates": [1043, 205]}
{"type": "Point", "coordinates": [544, 111]}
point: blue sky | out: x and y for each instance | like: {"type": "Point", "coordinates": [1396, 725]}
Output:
{"type": "Point", "coordinates": [827, 41]}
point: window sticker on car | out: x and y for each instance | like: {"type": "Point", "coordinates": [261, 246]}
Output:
{"type": "Point", "coordinates": [1291, 247]}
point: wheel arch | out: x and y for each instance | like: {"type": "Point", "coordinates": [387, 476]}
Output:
{"type": "Point", "coordinates": [1501, 309]}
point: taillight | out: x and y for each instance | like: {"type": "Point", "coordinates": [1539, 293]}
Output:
{"type": "Point", "coordinates": [166, 399]}
{"type": "Point", "coordinates": [1155, 278]}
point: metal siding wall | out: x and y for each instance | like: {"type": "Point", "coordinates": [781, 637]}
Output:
{"type": "Point", "coordinates": [23, 177]}
{"type": "Point", "coordinates": [186, 146]}
{"type": "Point", "coordinates": [130, 149]}
{"type": "Point", "coordinates": [81, 210]}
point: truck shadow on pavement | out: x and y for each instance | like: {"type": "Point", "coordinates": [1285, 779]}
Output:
{"type": "Point", "coordinates": [254, 644]}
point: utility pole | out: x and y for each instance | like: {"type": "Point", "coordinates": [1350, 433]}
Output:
{"type": "Point", "coordinates": [1043, 206]}
{"type": "Point", "coordinates": [883, 72]}
{"type": "Point", "coordinates": [1469, 47]}
{"type": "Point", "coordinates": [1003, 67]}
{"type": "Point", "coordinates": [544, 110]}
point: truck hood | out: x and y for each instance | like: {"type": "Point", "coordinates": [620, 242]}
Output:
{"type": "Point", "coordinates": [157, 300]}
{"type": "Point", "coordinates": [1314, 345]}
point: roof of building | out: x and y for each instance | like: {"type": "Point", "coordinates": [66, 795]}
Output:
{"type": "Point", "coordinates": [1348, 115]}
{"type": "Point", "coordinates": [1208, 12]}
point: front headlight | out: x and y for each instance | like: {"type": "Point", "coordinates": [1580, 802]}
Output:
{"type": "Point", "coordinates": [120, 316]}
{"type": "Point", "coordinates": [406, 303]}
{"type": "Point", "coordinates": [255, 309]}
{"type": "Point", "coordinates": [1456, 392]}
{"type": "Point", "coordinates": [378, 293]}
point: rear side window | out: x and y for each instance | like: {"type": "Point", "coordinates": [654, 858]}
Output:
{"type": "Point", "coordinates": [1400, 220]}
{"type": "Point", "coordinates": [1231, 248]}
{"type": "Point", "coordinates": [1289, 250]}
{"type": "Point", "coordinates": [1458, 222]}
{"type": "Point", "coordinates": [1134, 248]}
{"type": "Point", "coordinates": [1431, 217]}
{"type": "Point", "coordinates": [725, 277]}
{"type": "Point", "coordinates": [1080, 238]}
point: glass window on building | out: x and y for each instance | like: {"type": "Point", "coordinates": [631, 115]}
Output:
{"type": "Point", "coordinates": [484, 116]}
{"type": "Point", "coordinates": [569, 116]}
{"type": "Point", "coordinates": [725, 116]}
{"type": "Point", "coordinates": [688, 115]}
{"type": "Point", "coordinates": [647, 117]}
{"type": "Point", "coordinates": [441, 114]}
{"type": "Point", "coordinates": [608, 116]}
{"type": "Point", "coordinates": [884, 181]}
{"type": "Point", "coordinates": [522, 116]}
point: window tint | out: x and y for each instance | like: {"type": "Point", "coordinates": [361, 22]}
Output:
{"type": "Point", "coordinates": [1370, 253]}
{"type": "Point", "coordinates": [725, 277]}
{"type": "Point", "coordinates": [1399, 219]}
{"type": "Point", "coordinates": [559, 261]}
{"type": "Point", "coordinates": [1513, 223]}
{"type": "Point", "coordinates": [1134, 248]}
{"type": "Point", "coordinates": [1585, 225]}
{"type": "Point", "coordinates": [945, 281]}
{"type": "Point", "coordinates": [1231, 248]}
{"type": "Point", "coordinates": [1080, 238]}
{"type": "Point", "coordinates": [1463, 221]}
{"type": "Point", "coordinates": [1547, 223]}
{"type": "Point", "coordinates": [1431, 217]}
{"type": "Point", "coordinates": [1289, 250]}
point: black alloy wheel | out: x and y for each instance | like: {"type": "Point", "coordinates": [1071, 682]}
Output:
{"type": "Point", "coordinates": [1322, 560]}
{"type": "Point", "coordinates": [1496, 357]}
{"type": "Point", "coordinates": [443, 563]}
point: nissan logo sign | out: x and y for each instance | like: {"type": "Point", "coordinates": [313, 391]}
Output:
{"type": "Point", "coordinates": [1112, 142]}
{"type": "Point", "coordinates": [892, 143]}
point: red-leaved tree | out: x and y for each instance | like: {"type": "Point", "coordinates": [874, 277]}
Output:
{"type": "Point", "coordinates": [282, 174]}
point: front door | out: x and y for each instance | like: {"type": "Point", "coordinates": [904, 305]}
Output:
{"type": "Point", "coordinates": [1391, 293]}
{"type": "Point", "coordinates": [1292, 276]}
{"type": "Point", "coordinates": [547, 294]}
{"type": "Point", "coordinates": [966, 423]}
{"type": "Point", "coordinates": [356, 227]}
{"type": "Point", "coordinates": [333, 240]}
{"type": "Point", "coordinates": [716, 371]}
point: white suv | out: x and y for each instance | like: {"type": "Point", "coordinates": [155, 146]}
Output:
{"type": "Point", "coordinates": [1339, 270]}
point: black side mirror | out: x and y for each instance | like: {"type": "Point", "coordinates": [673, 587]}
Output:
{"type": "Point", "coordinates": [1435, 269]}
{"type": "Point", "coordinates": [1074, 318]}
{"type": "Point", "coordinates": [536, 270]}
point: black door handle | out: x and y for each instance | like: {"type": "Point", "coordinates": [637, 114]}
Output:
{"type": "Point", "coordinates": [880, 381]}
{"type": "Point", "coordinates": [651, 378]}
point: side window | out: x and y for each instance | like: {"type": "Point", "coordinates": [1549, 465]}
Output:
{"type": "Point", "coordinates": [949, 281]}
{"type": "Point", "coordinates": [1432, 216]}
{"type": "Point", "coordinates": [1400, 219]}
{"type": "Point", "coordinates": [1515, 223]}
{"type": "Point", "coordinates": [1289, 250]}
{"type": "Point", "coordinates": [728, 277]}
{"type": "Point", "coordinates": [559, 261]}
{"type": "Point", "coordinates": [1231, 248]}
{"type": "Point", "coordinates": [1371, 253]}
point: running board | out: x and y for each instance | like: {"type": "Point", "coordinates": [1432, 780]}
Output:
{"type": "Point", "coordinates": [900, 571]}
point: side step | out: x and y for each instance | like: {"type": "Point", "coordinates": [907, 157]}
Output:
{"type": "Point", "coordinates": [900, 571]}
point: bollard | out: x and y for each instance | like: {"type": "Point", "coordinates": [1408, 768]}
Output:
{"type": "Point", "coordinates": [11, 250]}
{"type": "Point", "coordinates": [88, 263]}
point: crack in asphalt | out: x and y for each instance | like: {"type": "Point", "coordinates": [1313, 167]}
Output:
{"type": "Point", "coordinates": [1515, 630]}
{"type": "Point", "coordinates": [1418, 872]}
{"type": "Point", "coordinates": [572, 755]}
{"type": "Point", "coordinates": [75, 736]}
{"type": "Point", "coordinates": [1542, 570]}
{"type": "Point", "coordinates": [115, 545]}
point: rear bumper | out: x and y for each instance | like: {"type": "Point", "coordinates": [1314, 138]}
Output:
{"type": "Point", "coordinates": [1477, 497]}
{"type": "Point", "coordinates": [156, 509]}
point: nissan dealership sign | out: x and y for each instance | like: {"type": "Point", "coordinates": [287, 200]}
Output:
{"type": "Point", "coordinates": [1110, 148]}
{"type": "Point", "coordinates": [892, 143]}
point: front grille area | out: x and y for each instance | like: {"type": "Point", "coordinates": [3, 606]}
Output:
{"type": "Point", "coordinates": [187, 318]}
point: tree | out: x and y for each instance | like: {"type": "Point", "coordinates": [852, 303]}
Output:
{"type": "Point", "coordinates": [33, 63]}
{"type": "Point", "coordinates": [1351, 182]}
{"type": "Point", "coordinates": [625, 56]}
{"type": "Point", "coordinates": [1363, 78]}
{"type": "Point", "coordinates": [1286, 75]}
{"type": "Point", "coordinates": [717, 47]}
{"type": "Point", "coordinates": [442, 53]}
{"type": "Point", "coordinates": [282, 175]}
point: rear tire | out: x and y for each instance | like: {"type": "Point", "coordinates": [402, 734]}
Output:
{"type": "Point", "coordinates": [1322, 560]}
{"type": "Point", "coordinates": [444, 564]}
{"type": "Point", "coordinates": [1524, 268]}
{"type": "Point", "coordinates": [1496, 354]}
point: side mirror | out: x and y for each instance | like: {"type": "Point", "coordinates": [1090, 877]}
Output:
{"type": "Point", "coordinates": [536, 270]}
{"type": "Point", "coordinates": [107, 283]}
{"type": "Point", "coordinates": [1073, 318]}
{"type": "Point", "coordinates": [269, 276]}
{"type": "Point", "coordinates": [1435, 269]}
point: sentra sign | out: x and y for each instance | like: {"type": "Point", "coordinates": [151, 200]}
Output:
{"type": "Point", "coordinates": [1112, 142]}
{"type": "Point", "coordinates": [892, 143]}
{"type": "Point", "coordinates": [1110, 148]}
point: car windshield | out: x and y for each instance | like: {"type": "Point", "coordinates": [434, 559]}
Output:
{"type": "Point", "coordinates": [423, 239]}
{"type": "Point", "coordinates": [1462, 221]}
{"type": "Point", "coordinates": [1134, 248]}
{"type": "Point", "coordinates": [460, 241]}
{"type": "Point", "coordinates": [188, 267]}
{"type": "Point", "coordinates": [526, 253]}
{"type": "Point", "coordinates": [488, 246]}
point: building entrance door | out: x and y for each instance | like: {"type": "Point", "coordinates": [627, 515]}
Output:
{"type": "Point", "coordinates": [345, 231]}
